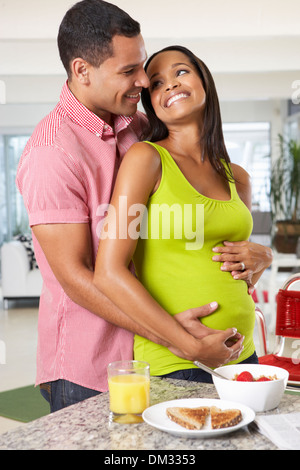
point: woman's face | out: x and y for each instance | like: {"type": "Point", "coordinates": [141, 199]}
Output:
{"type": "Point", "coordinates": [176, 90]}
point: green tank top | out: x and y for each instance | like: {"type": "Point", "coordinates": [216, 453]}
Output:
{"type": "Point", "coordinates": [173, 260]}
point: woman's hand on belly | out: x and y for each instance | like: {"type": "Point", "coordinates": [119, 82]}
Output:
{"type": "Point", "coordinates": [245, 260]}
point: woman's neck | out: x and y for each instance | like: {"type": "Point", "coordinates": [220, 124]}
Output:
{"type": "Point", "coordinates": [184, 141]}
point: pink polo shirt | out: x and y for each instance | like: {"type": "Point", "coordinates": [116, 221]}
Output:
{"type": "Point", "coordinates": [65, 174]}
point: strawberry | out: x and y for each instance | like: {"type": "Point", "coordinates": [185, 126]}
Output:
{"type": "Point", "coordinates": [245, 377]}
{"type": "Point", "coordinates": [263, 379]}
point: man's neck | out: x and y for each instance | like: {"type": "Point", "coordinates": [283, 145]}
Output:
{"type": "Point", "coordinates": [105, 116]}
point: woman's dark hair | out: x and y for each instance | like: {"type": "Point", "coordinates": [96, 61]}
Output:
{"type": "Point", "coordinates": [87, 30]}
{"type": "Point", "coordinates": [212, 139]}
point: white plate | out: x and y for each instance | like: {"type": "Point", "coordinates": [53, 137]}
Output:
{"type": "Point", "coordinates": [156, 416]}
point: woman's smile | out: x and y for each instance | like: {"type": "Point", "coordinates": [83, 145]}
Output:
{"type": "Point", "coordinates": [175, 97]}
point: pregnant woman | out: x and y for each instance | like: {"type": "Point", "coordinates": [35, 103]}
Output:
{"type": "Point", "coordinates": [192, 200]}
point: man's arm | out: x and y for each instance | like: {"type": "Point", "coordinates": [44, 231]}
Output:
{"type": "Point", "coordinates": [68, 250]}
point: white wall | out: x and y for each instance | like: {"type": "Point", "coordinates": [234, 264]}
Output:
{"type": "Point", "coordinates": [252, 48]}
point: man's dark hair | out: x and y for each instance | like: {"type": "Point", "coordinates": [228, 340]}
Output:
{"type": "Point", "coordinates": [87, 30]}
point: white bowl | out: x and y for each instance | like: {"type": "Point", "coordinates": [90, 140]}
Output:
{"type": "Point", "coordinates": [260, 396]}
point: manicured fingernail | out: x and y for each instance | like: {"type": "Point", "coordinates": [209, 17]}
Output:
{"type": "Point", "coordinates": [213, 304]}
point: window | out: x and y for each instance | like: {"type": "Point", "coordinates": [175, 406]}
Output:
{"type": "Point", "coordinates": [249, 145]}
{"type": "Point", "coordinates": [292, 127]}
{"type": "Point", "coordinates": [13, 216]}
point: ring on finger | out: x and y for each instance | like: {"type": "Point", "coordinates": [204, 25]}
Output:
{"type": "Point", "coordinates": [243, 267]}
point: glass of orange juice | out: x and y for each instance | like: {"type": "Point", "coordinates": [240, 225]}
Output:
{"type": "Point", "coordinates": [129, 390]}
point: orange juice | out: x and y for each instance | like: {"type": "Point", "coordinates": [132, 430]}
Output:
{"type": "Point", "coordinates": [129, 393]}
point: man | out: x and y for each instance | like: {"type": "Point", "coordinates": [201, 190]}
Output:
{"type": "Point", "coordinates": [65, 174]}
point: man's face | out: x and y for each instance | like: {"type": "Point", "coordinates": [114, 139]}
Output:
{"type": "Point", "coordinates": [115, 86]}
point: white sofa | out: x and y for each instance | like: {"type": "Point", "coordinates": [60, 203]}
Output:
{"type": "Point", "coordinates": [19, 281]}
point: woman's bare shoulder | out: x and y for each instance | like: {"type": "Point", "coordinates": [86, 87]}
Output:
{"type": "Point", "coordinates": [140, 168]}
{"type": "Point", "coordinates": [143, 149]}
{"type": "Point", "coordinates": [242, 183]}
{"type": "Point", "coordinates": [143, 154]}
{"type": "Point", "coordinates": [240, 174]}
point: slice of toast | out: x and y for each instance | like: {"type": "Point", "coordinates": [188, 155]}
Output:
{"type": "Point", "coordinates": [224, 418]}
{"type": "Point", "coordinates": [189, 418]}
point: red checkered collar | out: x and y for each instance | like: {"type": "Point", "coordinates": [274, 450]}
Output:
{"type": "Point", "coordinates": [86, 118]}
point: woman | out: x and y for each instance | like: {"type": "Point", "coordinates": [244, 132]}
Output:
{"type": "Point", "coordinates": [193, 200]}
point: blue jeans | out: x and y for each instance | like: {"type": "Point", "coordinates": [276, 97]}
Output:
{"type": "Point", "coordinates": [61, 393]}
{"type": "Point", "coordinates": [199, 375]}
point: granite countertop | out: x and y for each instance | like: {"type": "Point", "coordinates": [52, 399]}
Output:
{"type": "Point", "coordinates": [86, 426]}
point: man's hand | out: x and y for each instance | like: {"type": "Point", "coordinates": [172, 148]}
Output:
{"type": "Point", "coordinates": [216, 347]}
{"type": "Point", "coordinates": [213, 350]}
{"type": "Point", "coordinates": [189, 319]}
